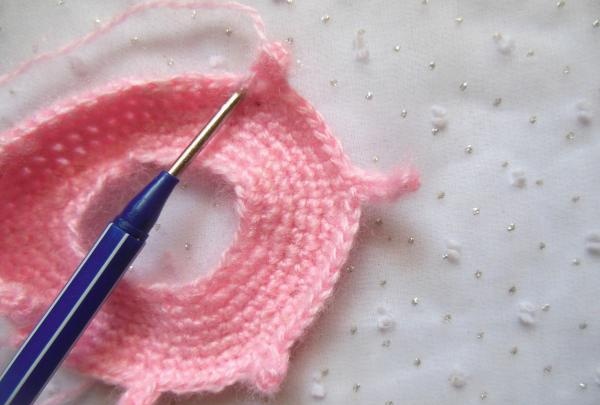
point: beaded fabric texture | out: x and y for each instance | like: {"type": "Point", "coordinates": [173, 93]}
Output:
{"type": "Point", "coordinates": [298, 199]}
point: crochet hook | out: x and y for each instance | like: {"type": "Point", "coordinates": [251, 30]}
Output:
{"type": "Point", "coordinates": [91, 283]}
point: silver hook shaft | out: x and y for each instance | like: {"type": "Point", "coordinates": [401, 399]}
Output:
{"type": "Point", "coordinates": [200, 140]}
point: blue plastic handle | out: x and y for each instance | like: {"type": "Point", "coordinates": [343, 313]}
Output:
{"type": "Point", "coordinates": [45, 348]}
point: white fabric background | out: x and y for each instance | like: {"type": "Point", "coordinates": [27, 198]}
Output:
{"type": "Point", "coordinates": [463, 52]}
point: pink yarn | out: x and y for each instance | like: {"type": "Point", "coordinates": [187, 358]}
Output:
{"type": "Point", "coordinates": [298, 199]}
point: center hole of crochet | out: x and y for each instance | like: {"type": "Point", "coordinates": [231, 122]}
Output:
{"type": "Point", "coordinates": [194, 229]}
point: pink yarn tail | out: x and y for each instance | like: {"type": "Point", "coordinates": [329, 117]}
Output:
{"type": "Point", "coordinates": [374, 187]}
{"type": "Point", "coordinates": [256, 19]}
{"type": "Point", "coordinates": [140, 395]}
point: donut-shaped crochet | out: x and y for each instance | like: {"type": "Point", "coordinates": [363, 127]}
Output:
{"type": "Point", "coordinates": [298, 199]}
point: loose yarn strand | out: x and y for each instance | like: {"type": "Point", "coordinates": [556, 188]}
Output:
{"type": "Point", "coordinates": [257, 22]}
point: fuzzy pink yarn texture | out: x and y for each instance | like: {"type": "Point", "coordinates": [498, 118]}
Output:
{"type": "Point", "coordinates": [298, 199]}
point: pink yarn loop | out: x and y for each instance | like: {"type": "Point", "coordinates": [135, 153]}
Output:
{"type": "Point", "coordinates": [259, 27]}
{"type": "Point", "coordinates": [376, 187]}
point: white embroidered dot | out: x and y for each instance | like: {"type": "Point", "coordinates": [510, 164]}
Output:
{"type": "Point", "coordinates": [452, 251]}
{"type": "Point", "coordinates": [527, 313]}
{"type": "Point", "coordinates": [325, 19]}
{"type": "Point", "coordinates": [584, 115]}
{"type": "Point", "coordinates": [596, 23]}
{"type": "Point", "coordinates": [385, 321]}
{"type": "Point", "coordinates": [438, 117]}
{"type": "Point", "coordinates": [360, 47]}
{"type": "Point", "coordinates": [458, 20]}
{"type": "Point", "coordinates": [457, 379]}
{"type": "Point", "coordinates": [451, 255]}
{"type": "Point", "coordinates": [369, 95]}
{"type": "Point", "coordinates": [592, 244]}
{"type": "Point", "coordinates": [216, 61]}
{"type": "Point", "coordinates": [517, 178]}
{"type": "Point", "coordinates": [463, 86]}
{"type": "Point", "coordinates": [504, 43]}
{"type": "Point", "coordinates": [317, 390]}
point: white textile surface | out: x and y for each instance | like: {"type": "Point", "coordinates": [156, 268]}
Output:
{"type": "Point", "coordinates": [513, 90]}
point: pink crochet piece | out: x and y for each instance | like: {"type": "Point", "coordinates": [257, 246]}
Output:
{"type": "Point", "coordinates": [298, 201]}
